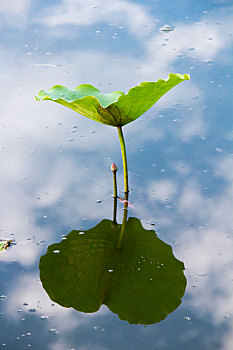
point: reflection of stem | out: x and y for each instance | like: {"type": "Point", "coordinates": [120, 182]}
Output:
{"type": "Point", "coordinates": [114, 185]}
{"type": "Point", "coordinates": [124, 158]}
{"type": "Point", "coordinates": [123, 222]}
{"type": "Point", "coordinates": [114, 211]}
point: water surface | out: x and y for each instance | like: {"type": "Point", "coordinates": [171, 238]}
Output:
{"type": "Point", "coordinates": [55, 165]}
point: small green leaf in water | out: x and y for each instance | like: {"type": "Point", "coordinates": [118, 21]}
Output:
{"type": "Point", "coordinates": [116, 108]}
{"type": "Point", "coordinates": [4, 244]}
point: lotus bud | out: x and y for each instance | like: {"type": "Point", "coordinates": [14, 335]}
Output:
{"type": "Point", "coordinates": [114, 167]}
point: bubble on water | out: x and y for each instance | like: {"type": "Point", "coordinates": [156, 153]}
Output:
{"type": "Point", "coordinates": [25, 303]}
{"type": "Point", "coordinates": [99, 201]}
{"type": "Point", "coordinates": [29, 53]}
{"type": "Point", "coordinates": [219, 149]}
{"type": "Point", "coordinates": [166, 28]}
{"type": "Point", "coordinates": [70, 139]}
{"type": "Point", "coordinates": [187, 318]}
{"type": "Point", "coordinates": [56, 251]}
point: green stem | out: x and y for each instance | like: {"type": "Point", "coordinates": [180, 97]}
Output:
{"type": "Point", "coordinates": [123, 221]}
{"type": "Point", "coordinates": [124, 158]}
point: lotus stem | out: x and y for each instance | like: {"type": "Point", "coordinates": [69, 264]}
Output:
{"type": "Point", "coordinates": [123, 221]}
{"type": "Point", "coordinates": [124, 158]}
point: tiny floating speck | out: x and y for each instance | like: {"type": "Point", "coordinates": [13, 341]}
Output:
{"type": "Point", "coordinates": [166, 28]}
{"type": "Point", "coordinates": [187, 318]}
{"type": "Point", "coordinates": [32, 309]}
{"type": "Point", "coordinates": [43, 317]}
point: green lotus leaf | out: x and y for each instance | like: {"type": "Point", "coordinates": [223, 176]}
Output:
{"type": "Point", "coordinates": [116, 108]}
{"type": "Point", "coordinates": [142, 281]}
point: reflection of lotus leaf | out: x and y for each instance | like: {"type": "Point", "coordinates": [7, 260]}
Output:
{"type": "Point", "coordinates": [142, 281]}
{"type": "Point", "coordinates": [116, 108]}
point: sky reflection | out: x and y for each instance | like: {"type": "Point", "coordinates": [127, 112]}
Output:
{"type": "Point", "coordinates": [56, 164]}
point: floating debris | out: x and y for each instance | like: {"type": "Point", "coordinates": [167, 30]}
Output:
{"type": "Point", "coordinates": [4, 244]}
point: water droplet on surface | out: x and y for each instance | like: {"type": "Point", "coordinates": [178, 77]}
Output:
{"type": "Point", "coordinates": [110, 270]}
{"type": "Point", "coordinates": [43, 317]}
{"type": "Point", "coordinates": [53, 330]}
{"type": "Point", "coordinates": [187, 318]}
{"type": "Point", "coordinates": [208, 60]}
{"type": "Point", "coordinates": [56, 251]}
{"type": "Point", "coordinates": [81, 233]}
{"type": "Point", "coordinates": [32, 309]}
{"type": "Point", "coordinates": [166, 28]}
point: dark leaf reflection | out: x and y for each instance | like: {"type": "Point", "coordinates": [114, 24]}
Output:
{"type": "Point", "coordinates": [125, 267]}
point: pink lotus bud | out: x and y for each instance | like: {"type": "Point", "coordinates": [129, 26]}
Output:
{"type": "Point", "coordinates": [114, 167]}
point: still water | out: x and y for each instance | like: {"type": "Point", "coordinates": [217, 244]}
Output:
{"type": "Point", "coordinates": [55, 175]}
